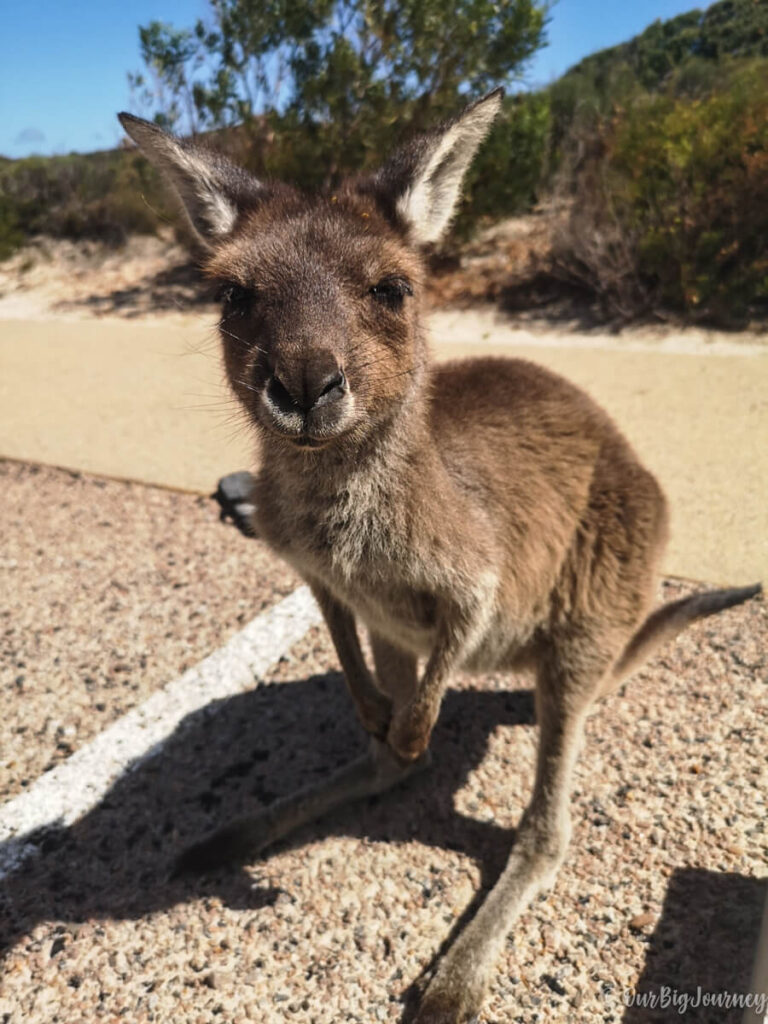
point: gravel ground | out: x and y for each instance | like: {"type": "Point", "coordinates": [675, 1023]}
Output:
{"type": "Point", "coordinates": [663, 884]}
{"type": "Point", "coordinates": [107, 591]}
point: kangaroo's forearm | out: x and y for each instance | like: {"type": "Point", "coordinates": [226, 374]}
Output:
{"type": "Point", "coordinates": [411, 726]}
{"type": "Point", "coordinates": [373, 708]}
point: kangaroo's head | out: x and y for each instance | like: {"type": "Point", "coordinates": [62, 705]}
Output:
{"type": "Point", "coordinates": [321, 293]}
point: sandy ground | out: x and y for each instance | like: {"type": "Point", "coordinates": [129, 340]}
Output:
{"type": "Point", "coordinates": [110, 365]}
{"type": "Point", "coordinates": [146, 401]}
{"type": "Point", "coordinates": [57, 279]}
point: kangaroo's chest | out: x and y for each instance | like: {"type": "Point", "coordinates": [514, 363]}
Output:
{"type": "Point", "coordinates": [394, 610]}
{"type": "Point", "coordinates": [363, 549]}
{"type": "Point", "coordinates": [387, 592]}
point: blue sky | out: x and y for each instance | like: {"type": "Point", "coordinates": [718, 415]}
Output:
{"type": "Point", "coordinates": [63, 63]}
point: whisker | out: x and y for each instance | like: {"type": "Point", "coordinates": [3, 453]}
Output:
{"type": "Point", "coordinates": [247, 386]}
{"type": "Point", "coordinates": [380, 380]}
{"type": "Point", "coordinates": [241, 341]}
{"type": "Point", "coordinates": [373, 362]}
{"type": "Point", "coordinates": [365, 341]}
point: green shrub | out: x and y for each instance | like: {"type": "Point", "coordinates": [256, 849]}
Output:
{"type": "Point", "coordinates": [669, 202]}
{"type": "Point", "coordinates": [11, 232]}
{"type": "Point", "coordinates": [504, 179]}
{"type": "Point", "coordinates": [111, 195]}
{"type": "Point", "coordinates": [103, 196]}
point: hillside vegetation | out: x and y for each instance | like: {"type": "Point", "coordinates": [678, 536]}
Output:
{"type": "Point", "coordinates": [659, 152]}
{"type": "Point", "coordinates": [652, 156]}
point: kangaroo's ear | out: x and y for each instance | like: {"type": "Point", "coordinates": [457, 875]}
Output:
{"type": "Point", "coordinates": [420, 185]}
{"type": "Point", "coordinates": [213, 191]}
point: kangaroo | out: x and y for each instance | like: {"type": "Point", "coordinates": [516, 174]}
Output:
{"type": "Point", "coordinates": [483, 515]}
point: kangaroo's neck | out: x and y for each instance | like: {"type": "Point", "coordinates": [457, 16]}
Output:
{"type": "Point", "coordinates": [352, 505]}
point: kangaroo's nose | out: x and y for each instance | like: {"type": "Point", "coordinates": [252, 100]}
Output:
{"type": "Point", "coordinates": [320, 381]}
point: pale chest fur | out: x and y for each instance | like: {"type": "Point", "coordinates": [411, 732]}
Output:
{"type": "Point", "coordinates": [362, 542]}
{"type": "Point", "coordinates": [398, 571]}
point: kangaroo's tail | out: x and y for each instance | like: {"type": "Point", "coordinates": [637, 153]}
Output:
{"type": "Point", "coordinates": [669, 620]}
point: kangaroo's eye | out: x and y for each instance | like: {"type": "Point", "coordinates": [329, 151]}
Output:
{"type": "Point", "coordinates": [391, 291]}
{"type": "Point", "coordinates": [235, 297]}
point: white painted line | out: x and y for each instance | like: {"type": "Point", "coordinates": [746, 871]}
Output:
{"type": "Point", "coordinates": [70, 790]}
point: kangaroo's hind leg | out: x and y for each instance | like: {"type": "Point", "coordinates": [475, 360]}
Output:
{"type": "Point", "coordinates": [374, 772]}
{"type": "Point", "coordinates": [569, 680]}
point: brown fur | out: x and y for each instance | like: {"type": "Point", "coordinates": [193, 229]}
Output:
{"type": "Point", "coordinates": [481, 515]}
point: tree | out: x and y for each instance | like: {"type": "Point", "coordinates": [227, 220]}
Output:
{"type": "Point", "coordinates": [335, 75]}
{"type": "Point", "coordinates": [170, 56]}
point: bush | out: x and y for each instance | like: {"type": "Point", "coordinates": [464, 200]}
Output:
{"type": "Point", "coordinates": [504, 179]}
{"type": "Point", "coordinates": [11, 233]}
{"type": "Point", "coordinates": [112, 195]}
{"type": "Point", "coordinates": [669, 202]}
{"type": "Point", "coordinates": [103, 196]}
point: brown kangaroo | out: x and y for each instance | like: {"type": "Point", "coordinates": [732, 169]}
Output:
{"type": "Point", "coordinates": [483, 515]}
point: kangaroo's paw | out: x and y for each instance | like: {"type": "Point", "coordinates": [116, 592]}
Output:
{"type": "Point", "coordinates": [453, 996]}
{"type": "Point", "coordinates": [410, 731]}
{"type": "Point", "coordinates": [447, 1010]}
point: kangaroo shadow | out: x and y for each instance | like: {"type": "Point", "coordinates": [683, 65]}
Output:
{"type": "Point", "coordinates": [234, 757]}
{"type": "Point", "coordinates": [705, 939]}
